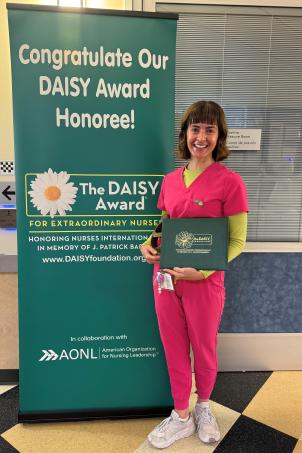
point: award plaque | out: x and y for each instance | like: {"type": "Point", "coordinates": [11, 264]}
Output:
{"type": "Point", "coordinates": [201, 243]}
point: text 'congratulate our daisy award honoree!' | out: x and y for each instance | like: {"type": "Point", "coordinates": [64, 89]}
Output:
{"type": "Point", "coordinates": [83, 87]}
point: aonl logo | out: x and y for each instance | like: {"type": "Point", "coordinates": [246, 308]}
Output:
{"type": "Point", "coordinates": [71, 354]}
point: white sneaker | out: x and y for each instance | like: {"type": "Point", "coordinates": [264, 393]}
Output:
{"type": "Point", "coordinates": [170, 430]}
{"type": "Point", "coordinates": [206, 423]}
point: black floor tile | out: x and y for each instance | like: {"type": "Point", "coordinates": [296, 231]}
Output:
{"type": "Point", "coordinates": [9, 407]}
{"type": "Point", "coordinates": [236, 389]}
{"type": "Point", "coordinates": [5, 447]}
{"type": "Point", "coordinates": [250, 436]}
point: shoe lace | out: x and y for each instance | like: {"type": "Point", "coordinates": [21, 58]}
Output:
{"type": "Point", "coordinates": [164, 424]}
{"type": "Point", "coordinates": [205, 416]}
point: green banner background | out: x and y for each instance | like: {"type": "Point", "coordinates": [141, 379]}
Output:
{"type": "Point", "coordinates": [88, 331]}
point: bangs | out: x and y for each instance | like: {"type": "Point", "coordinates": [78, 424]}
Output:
{"type": "Point", "coordinates": [207, 112]}
{"type": "Point", "coordinates": [204, 112]}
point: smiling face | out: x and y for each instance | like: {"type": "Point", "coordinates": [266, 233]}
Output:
{"type": "Point", "coordinates": [207, 117]}
{"type": "Point", "coordinates": [202, 140]}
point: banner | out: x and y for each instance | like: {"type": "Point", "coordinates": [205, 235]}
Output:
{"type": "Point", "coordinates": [93, 102]}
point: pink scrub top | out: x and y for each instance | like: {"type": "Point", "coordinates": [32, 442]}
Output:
{"type": "Point", "coordinates": [217, 192]}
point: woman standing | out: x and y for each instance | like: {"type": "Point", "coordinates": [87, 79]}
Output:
{"type": "Point", "coordinates": [190, 315]}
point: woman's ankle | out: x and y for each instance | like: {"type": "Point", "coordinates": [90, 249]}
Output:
{"type": "Point", "coordinates": [182, 413]}
{"type": "Point", "coordinates": [199, 401]}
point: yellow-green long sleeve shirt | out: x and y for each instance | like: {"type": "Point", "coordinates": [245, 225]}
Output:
{"type": "Point", "coordinates": [237, 227]}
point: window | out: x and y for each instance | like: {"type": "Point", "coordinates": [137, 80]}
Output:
{"type": "Point", "coordinates": [249, 60]}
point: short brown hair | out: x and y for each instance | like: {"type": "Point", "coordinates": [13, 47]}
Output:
{"type": "Point", "coordinates": [204, 112]}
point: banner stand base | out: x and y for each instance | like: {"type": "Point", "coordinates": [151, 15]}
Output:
{"type": "Point", "coordinates": [47, 417]}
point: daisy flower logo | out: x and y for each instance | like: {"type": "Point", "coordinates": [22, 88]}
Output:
{"type": "Point", "coordinates": [51, 193]}
{"type": "Point", "coordinates": [184, 239]}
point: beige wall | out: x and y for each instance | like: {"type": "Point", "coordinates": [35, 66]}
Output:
{"type": "Point", "coordinates": [150, 5]}
{"type": "Point", "coordinates": [8, 322]}
{"type": "Point", "coordinates": [6, 115]}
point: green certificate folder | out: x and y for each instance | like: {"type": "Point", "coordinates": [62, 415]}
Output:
{"type": "Point", "coordinates": [201, 243]}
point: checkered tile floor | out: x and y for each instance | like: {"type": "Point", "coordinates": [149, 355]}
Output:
{"type": "Point", "coordinates": [258, 412]}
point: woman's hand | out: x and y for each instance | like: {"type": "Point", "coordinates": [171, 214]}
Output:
{"type": "Point", "coordinates": [184, 273]}
{"type": "Point", "coordinates": [150, 254]}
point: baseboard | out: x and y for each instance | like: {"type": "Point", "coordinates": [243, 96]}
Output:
{"type": "Point", "coordinates": [81, 415]}
{"type": "Point", "coordinates": [260, 351]}
{"type": "Point", "coordinates": [240, 352]}
{"type": "Point", "coordinates": [8, 377]}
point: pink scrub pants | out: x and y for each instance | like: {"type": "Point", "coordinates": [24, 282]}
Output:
{"type": "Point", "coordinates": [190, 315]}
